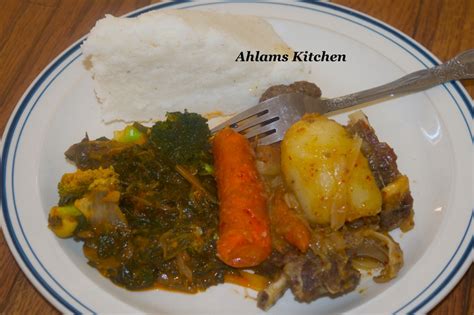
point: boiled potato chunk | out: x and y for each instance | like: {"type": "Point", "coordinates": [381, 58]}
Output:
{"type": "Point", "coordinates": [364, 195]}
{"type": "Point", "coordinates": [322, 164]}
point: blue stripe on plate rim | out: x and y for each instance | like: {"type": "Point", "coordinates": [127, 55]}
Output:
{"type": "Point", "coordinates": [75, 47]}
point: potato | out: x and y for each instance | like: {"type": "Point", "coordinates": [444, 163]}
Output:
{"type": "Point", "coordinates": [364, 195]}
{"type": "Point", "coordinates": [322, 164]}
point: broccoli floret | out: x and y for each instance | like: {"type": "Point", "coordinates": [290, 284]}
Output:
{"type": "Point", "coordinates": [183, 138]}
{"type": "Point", "coordinates": [74, 185]}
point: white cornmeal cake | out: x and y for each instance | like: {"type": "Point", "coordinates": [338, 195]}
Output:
{"type": "Point", "coordinates": [174, 60]}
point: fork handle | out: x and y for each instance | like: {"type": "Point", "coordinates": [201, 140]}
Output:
{"type": "Point", "coordinates": [460, 67]}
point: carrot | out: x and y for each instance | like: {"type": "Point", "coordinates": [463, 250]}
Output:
{"type": "Point", "coordinates": [288, 224]}
{"type": "Point", "coordinates": [244, 227]}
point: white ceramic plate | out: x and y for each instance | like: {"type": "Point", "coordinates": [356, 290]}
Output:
{"type": "Point", "coordinates": [430, 131]}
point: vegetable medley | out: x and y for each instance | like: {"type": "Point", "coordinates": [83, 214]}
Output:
{"type": "Point", "coordinates": [144, 219]}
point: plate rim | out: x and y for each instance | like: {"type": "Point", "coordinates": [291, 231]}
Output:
{"type": "Point", "coordinates": [42, 285]}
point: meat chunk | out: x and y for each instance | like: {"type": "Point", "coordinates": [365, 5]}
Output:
{"type": "Point", "coordinates": [397, 208]}
{"type": "Point", "coordinates": [313, 276]}
{"type": "Point", "coordinates": [382, 158]}
{"type": "Point", "coordinates": [398, 217]}
{"type": "Point", "coordinates": [309, 277]}
{"type": "Point", "coordinates": [92, 154]}
{"type": "Point", "coordinates": [327, 269]}
{"type": "Point", "coordinates": [303, 87]}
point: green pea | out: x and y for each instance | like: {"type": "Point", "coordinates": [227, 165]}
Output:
{"type": "Point", "coordinates": [208, 168]}
{"type": "Point", "coordinates": [129, 134]}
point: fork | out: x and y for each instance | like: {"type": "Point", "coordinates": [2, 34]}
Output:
{"type": "Point", "coordinates": [268, 121]}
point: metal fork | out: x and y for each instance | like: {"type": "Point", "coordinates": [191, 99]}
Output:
{"type": "Point", "coordinates": [268, 121]}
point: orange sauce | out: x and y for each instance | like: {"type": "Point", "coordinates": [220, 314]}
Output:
{"type": "Point", "coordinates": [248, 280]}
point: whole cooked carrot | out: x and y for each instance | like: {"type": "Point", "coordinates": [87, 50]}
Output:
{"type": "Point", "coordinates": [244, 228]}
{"type": "Point", "coordinates": [288, 224]}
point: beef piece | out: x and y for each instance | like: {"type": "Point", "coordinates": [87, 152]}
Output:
{"type": "Point", "coordinates": [382, 159]}
{"type": "Point", "coordinates": [272, 266]}
{"type": "Point", "coordinates": [364, 222]}
{"type": "Point", "coordinates": [309, 277]}
{"type": "Point", "coordinates": [383, 164]}
{"type": "Point", "coordinates": [312, 276]}
{"type": "Point", "coordinates": [92, 154]}
{"type": "Point", "coordinates": [327, 269]}
{"type": "Point", "coordinates": [303, 87]}
{"type": "Point", "coordinates": [390, 220]}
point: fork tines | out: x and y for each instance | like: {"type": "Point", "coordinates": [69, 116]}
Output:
{"type": "Point", "coordinates": [257, 121]}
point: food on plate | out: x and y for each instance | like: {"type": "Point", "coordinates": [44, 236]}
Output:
{"type": "Point", "coordinates": [318, 157]}
{"type": "Point", "coordinates": [244, 227]}
{"type": "Point", "coordinates": [397, 205]}
{"type": "Point", "coordinates": [331, 266]}
{"type": "Point", "coordinates": [145, 220]}
{"type": "Point", "coordinates": [172, 206]}
{"type": "Point", "coordinates": [174, 60]}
